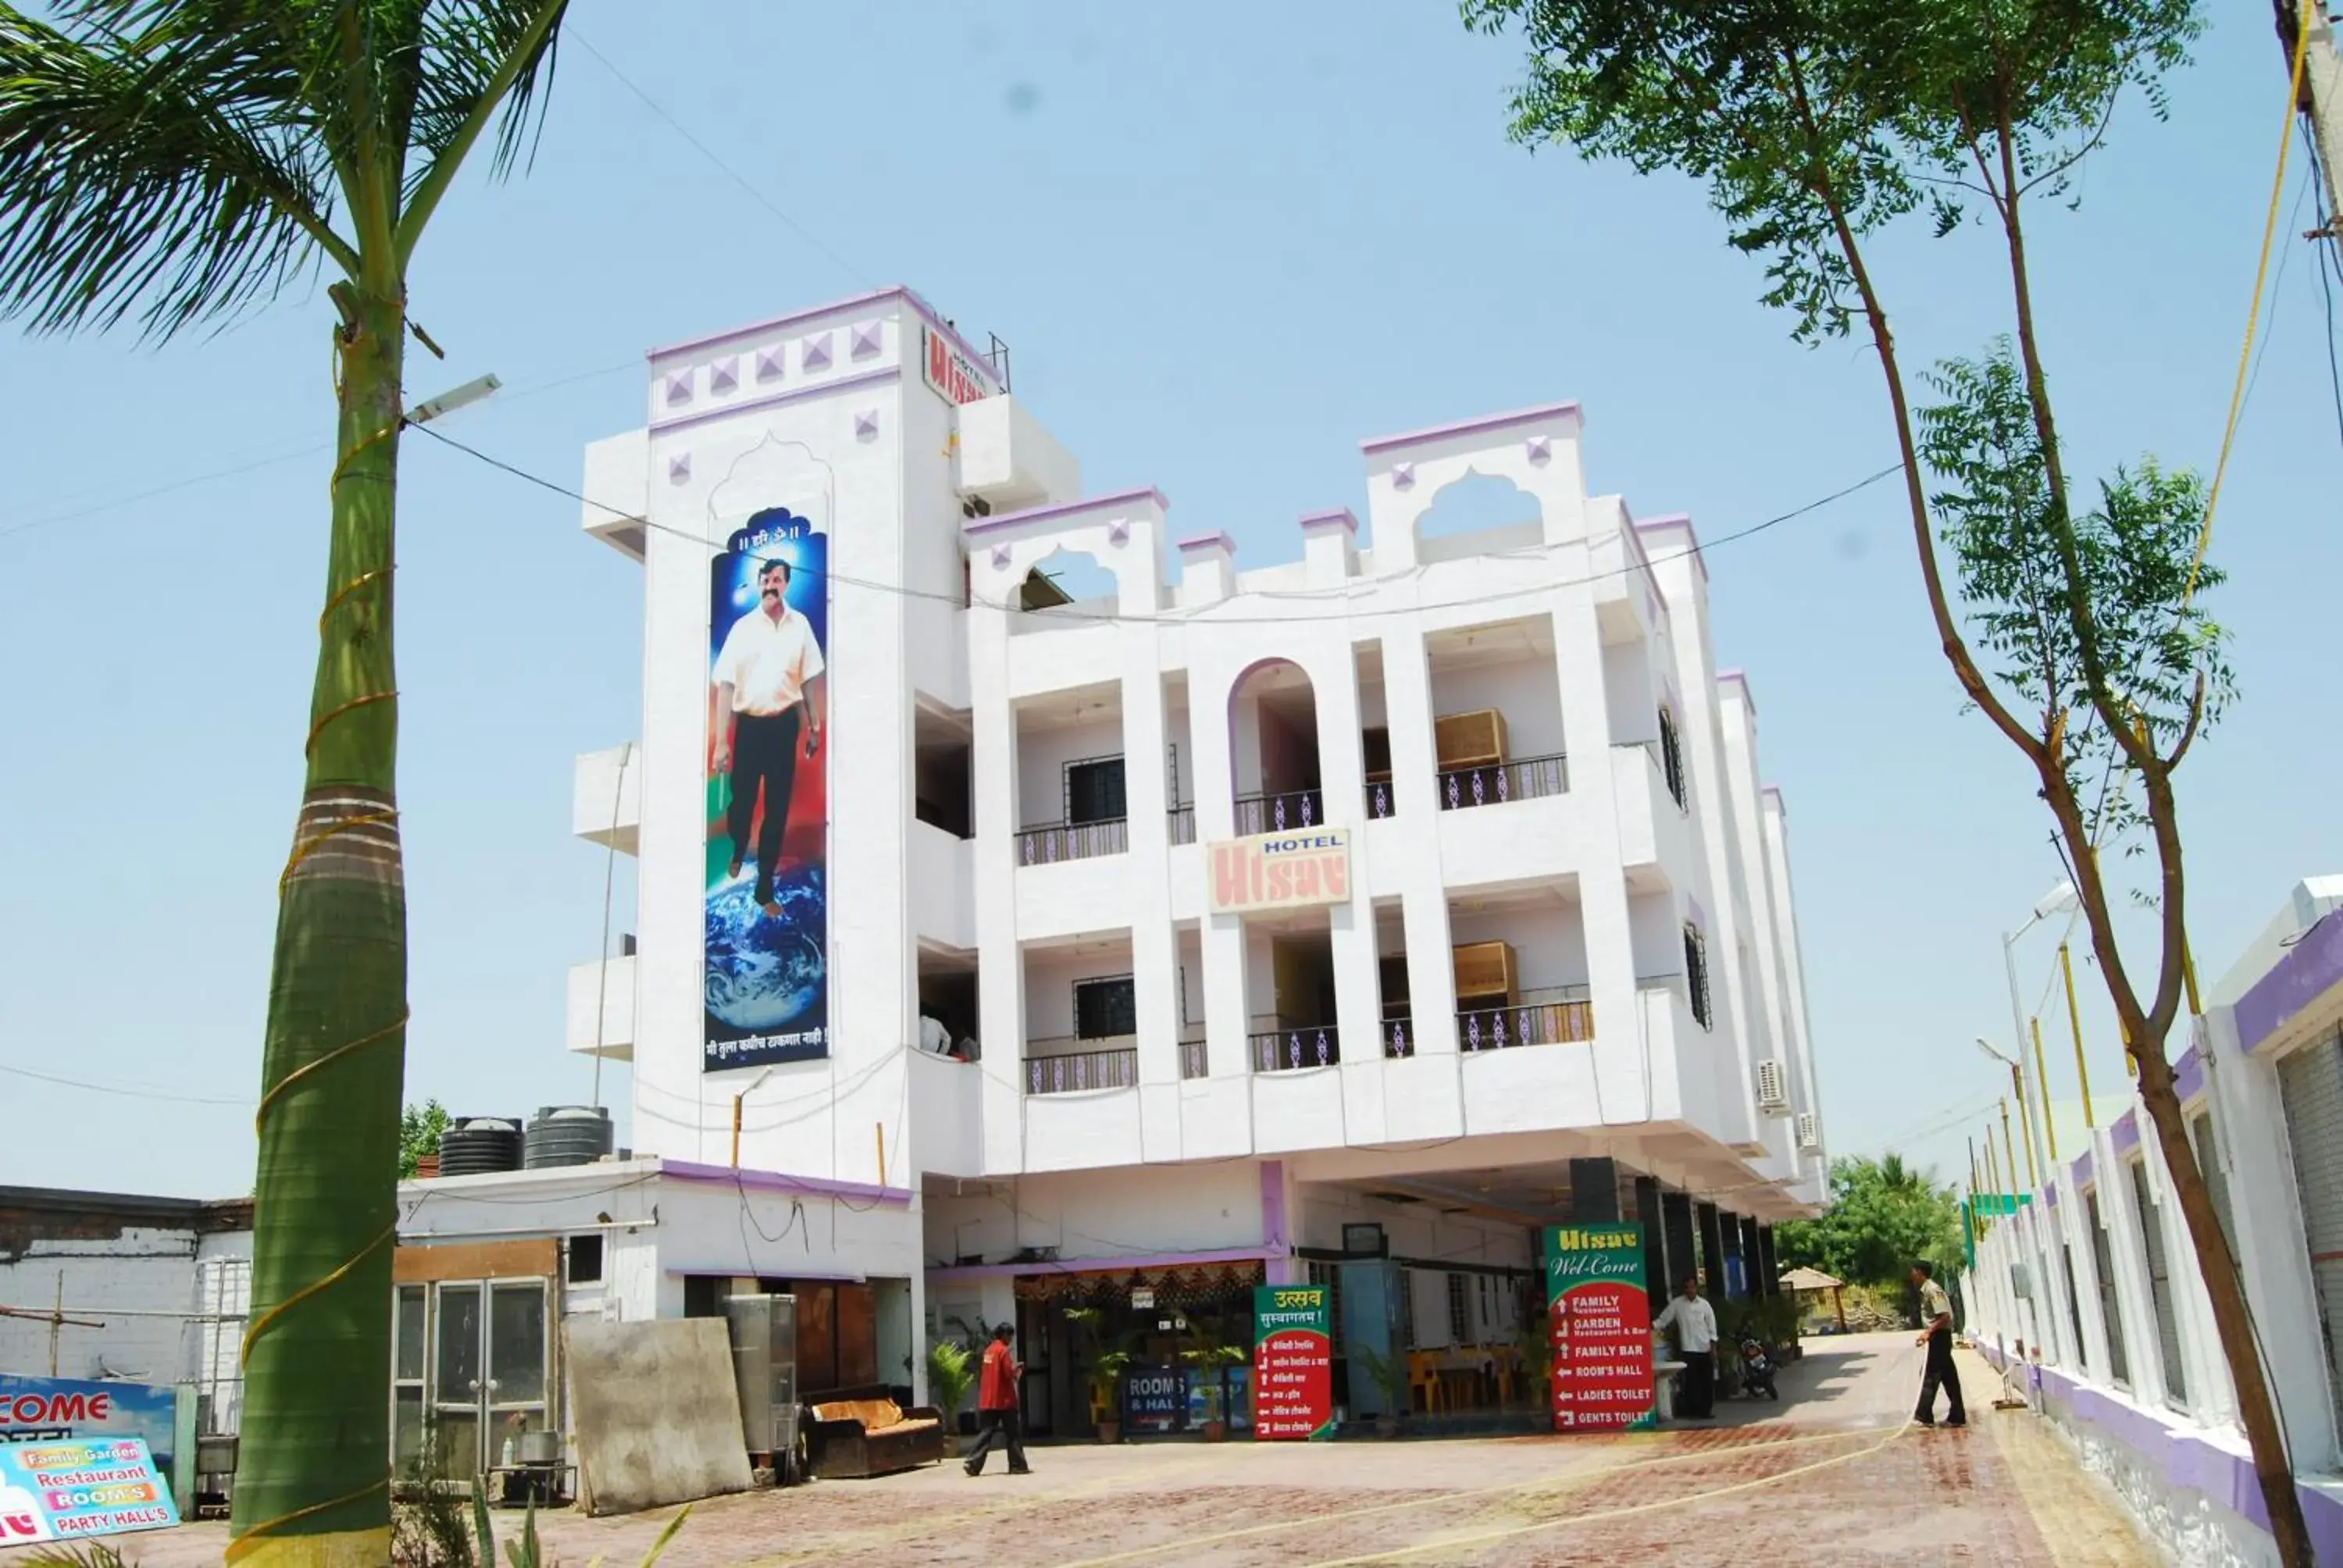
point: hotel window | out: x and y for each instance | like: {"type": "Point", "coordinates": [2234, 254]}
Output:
{"type": "Point", "coordinates": [1105, 1009]}
{"type": "Point", "coordinates": [1094, 791]}
{"type": "Point", "coordinates": [1460, 1312]}
{"type": "Point", "coordinates": [1671, 756]}
{"type": "Point", "coordinates": [1697, 974]}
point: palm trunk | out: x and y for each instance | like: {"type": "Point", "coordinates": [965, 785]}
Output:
{"type": "Point", "coordinates": [313, 1469]}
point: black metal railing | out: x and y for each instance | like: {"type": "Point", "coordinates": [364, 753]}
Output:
{"type": "Point", "coordinates": [1292, 1049]}
{"type": "Point", "coordinates": [1564, 1021]}
{"type": "Point", "coordinates": [1279, 813]}
{"type": "Point", "coordinates": [1192, 1061]}
{"type": "Point", "coordinates": [1398, 1036]}
{"type": "Point", "coordinates": [1072, 1071]}
{"type": "Point", "coordinates": [1381, 801]}
{"type": "Point", "coordinates": [1499, 782]}
{"type": "Point", "coordinates": [1055, 841]}
{"type": "Point", "coordinates": [1183, 823]}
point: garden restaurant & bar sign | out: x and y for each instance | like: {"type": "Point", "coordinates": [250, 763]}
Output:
{"type": "Point", "coordinates": [1290, 871]}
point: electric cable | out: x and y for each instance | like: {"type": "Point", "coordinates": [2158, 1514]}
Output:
{"type": "Point", "coordinates": [1339, 596]}
{"type": "Point", "coordinates": [125, 1090]}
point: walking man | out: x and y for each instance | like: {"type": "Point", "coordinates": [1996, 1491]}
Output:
{"type": "Point", "coordinates": [1936, 1334]}
{"type": "Point", "coordinates": [998, 1413]}
{"type": "Point", "coordinates": [767, 678]}
{"type": "Point", "coordinates": [1695, 1326]}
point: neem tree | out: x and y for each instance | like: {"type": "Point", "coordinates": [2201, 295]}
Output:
{"type": "Point", "coordinates": [1818, 125]}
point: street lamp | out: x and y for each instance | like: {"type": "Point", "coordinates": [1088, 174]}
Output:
{"type": "Point", "coordinates": [2017, 1087]}
{"type": "Point", "coordinates": [754, 1084]}
{"type": "Point", "coordinates": [2056, 901]}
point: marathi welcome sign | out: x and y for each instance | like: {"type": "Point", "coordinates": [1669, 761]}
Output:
{"type": "Point", "coordinates": [1293, 1362]}
{"type": "Point", "coordinates": [67, 1491]}
{"type": "Point", "coordinates": [1600, 1322]}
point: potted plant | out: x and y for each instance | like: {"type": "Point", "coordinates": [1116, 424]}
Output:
{"type": "Point", "coordinates": [1102, 1369]}
{"type": "Point", "coordinates": [1388, 1373]}
{"type": "Point", "coordinates": [951, 1373]}
{"type": "Point", "coordinates": [1534, 1353]}
{"type": "Point", "coordinates": [1211, 1356]}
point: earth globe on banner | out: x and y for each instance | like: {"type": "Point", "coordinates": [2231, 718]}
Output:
{"type": "Point", "coordinates": [765, 972]}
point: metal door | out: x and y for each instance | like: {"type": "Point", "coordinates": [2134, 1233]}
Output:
{"type": "Point", "coordinates": [488, 1368]}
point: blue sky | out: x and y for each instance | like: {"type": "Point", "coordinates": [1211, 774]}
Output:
{"type": "Point", "coordinates": [1225, 243]}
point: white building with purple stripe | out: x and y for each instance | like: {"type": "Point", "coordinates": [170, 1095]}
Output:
{"type": "Point", "coordinates": [1351, 915]}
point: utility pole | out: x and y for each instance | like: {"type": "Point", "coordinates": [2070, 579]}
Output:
{"type": "Point", "coordinates": [2321, 98]}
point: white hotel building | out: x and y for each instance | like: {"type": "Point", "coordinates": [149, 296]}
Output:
{"type": "Point", "coordinates": [1550, 970]}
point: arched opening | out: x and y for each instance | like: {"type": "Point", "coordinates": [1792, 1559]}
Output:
{"type": "Point", "coordinates": [1066, 576]}
{"type": "Point", "coordinates": [1475, 515]}
{"type": "Point", "coordinates": [1273, 750]}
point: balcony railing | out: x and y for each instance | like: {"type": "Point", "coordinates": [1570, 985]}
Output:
{"type": "Point", "coordinates": [1192, 1062]}
{"type": "Point", "coordinates": [1279, 813]}
{"type": "Point", "coordinates": [1103, 1065]}
{"type": "Point", "coordinates": [1499, 782]}
{"type": "Point", "coordinates": [1381, 801]}
{"type": "Point", "coordinates": [1545, 1018]}
{"type": "Point", "coordinates": [1183, 823]}
{"type": "Point", "coordinates": [1293, 1049]}
{"type": "Point", "coordinates": [1398, 1036]}
{"type": "Point", "coordinates": [1056, 842]}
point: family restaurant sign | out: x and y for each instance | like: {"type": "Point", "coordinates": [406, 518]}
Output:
{"type": "Point", "coordinates": [1282, 870]}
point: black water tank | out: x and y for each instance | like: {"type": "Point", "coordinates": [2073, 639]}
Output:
{"type": "Point", "coordinates": [568, 1135]}
{"type": "Point", "coordinates": [477, 1145]}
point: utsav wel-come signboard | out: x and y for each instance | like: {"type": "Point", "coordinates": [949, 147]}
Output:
{"type": "Point", "coordinates": [1600, 1322]}
{"type": "Point", "coordinates": [1293, 1362]}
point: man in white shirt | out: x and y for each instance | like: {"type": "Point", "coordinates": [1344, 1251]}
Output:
{"type": "Point", "coordinates": [1695, 1326]}
{"type": "Point", "coordinates": [768, 692]}
{"type": "Point", "coordinates": [1936, 1334]}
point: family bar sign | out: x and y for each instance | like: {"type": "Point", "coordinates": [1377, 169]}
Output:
{"type": "Point", "coordinates": [1293, 1362]}
{"type": "Point", "coordinates": [1601, 1322]}
{"type": "Point", "coordinates": [67, 1491]}
{"type": "Point", "coordinates": [1282, 870]}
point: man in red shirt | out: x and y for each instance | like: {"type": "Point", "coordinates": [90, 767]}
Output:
{"type": "Point", "coordinates": [997, 1408]}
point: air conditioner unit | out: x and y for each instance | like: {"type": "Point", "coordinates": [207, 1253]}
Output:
{"type": "Point", "coordinates": [1810, 1132]}
{"type": "Point", "coordinates": [1772, 1087]}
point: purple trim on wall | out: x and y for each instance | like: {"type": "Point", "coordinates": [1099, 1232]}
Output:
{"type": "Point", "coordinates": [1680, 521]}
{"type": "Point", "coordinates": [775, 1181]}
{"type": "Point", "coordinates": [2188, 1081]}
{"type": "Point", "coordinates": [2187, 1460]}
{"type": "Point", "coordinates": [2050, 1196]}
{"type": "Point", "coordinates": [1067, 509]}
{"type": "Point", "coordinates": [2296, 983]}
{"type": "Point", "coordinates": [1207, 541]}
{"type": "Point", "coordinates": [2084, 1169]}
{"type": "Point", "coordinates": [884, 374]}
{"type": "Point", "coordinates": [1110, 1265]}
{"type": "Point", "coordinates": [1740, 679]}
{"type": "Point", "coordinates": [1699, 915]}
{"type": "Point", "coordinates": [1774, 793]}
{"type": "Point", "coordinates": [2125, 1134]}
{"type": "Point", "coordinates": [853, 302]}
{"type": "Point", "coordinates": [1273, 1204]}
{"type": "Point", "coordinates": [1339, 515]}
{"type": "Point", "coordinates": [1377, 444]}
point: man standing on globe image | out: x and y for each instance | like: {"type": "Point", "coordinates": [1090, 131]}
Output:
{"type": "Point", "coordinates": [767, 706]}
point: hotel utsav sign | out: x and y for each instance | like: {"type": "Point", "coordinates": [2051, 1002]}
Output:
{"type": "Point", "coordinates": [1282, 870]}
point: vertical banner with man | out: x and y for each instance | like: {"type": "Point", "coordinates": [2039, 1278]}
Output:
{"type": "Point", "coordinates": [766, 980]}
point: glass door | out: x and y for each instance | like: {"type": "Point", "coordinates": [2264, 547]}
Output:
{"type": "Point", "coordinates": [458, 1378]}
{"type": "Point", "coordinates": [515, 1361]}
{"type": "Point", "coordinates": [407, 1379]}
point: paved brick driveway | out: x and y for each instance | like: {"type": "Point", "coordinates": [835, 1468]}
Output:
{"type": "Point", "coordinates": [1829, 1476]}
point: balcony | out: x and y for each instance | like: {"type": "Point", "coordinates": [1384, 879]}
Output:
{"type": "Point", "coordinates": [1192, 1061]}
{"type": "Point", "coordinates": [606, 798]}
{"type": "Point", "coordinates": [1279, 813]}
{"type": "Point", "coordinates": [1497, 783]}
{"type": "Point", "coordinates": [1182, 824]}
{"type": "Point", "coordinates": [1381, 802]}
{"type": "Point", "coordinates": [601, 1012]}
{"type": "Point", "coordinates": [1078, 1065]}
{"type": "Point", "coordinates": [1295, 1048]}
{"type": "Point", "coordinates": [1053, 842]}
{"type": "Point", "coordinates": [1561, 1017]}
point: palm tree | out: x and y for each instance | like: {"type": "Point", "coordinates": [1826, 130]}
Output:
{"type": "Point", "coordinates": [180, 161]}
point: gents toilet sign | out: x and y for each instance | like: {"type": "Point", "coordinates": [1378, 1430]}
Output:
{"type": "Point", "coordinates": [1601, 1322]}
{"type": "Point", "coordinates": [1282, 870]}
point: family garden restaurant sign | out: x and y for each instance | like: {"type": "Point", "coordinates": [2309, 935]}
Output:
{"type": "Point", "coordinates": [1282, 870]}
{"type": "Point", "coordinates": [1600, 1320]}
{"type": "Point", "coordinates": [68, 1491]}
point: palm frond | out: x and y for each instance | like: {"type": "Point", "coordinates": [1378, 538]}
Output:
{"type": "Point", "coordinates": [147, 167]}
{"type": "Point", "coordinates": [487, 60]}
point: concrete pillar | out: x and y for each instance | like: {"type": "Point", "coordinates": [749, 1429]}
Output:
{"type": "Point", "coordinates": [1753, 1278]}
{"type": "Point", "coordinates": [1655, 1240]}
{"type": "Point", "coordinates": [1594, 1189]}
{"type": "Point", "coordinates": [1676, 1216]}
{"type": "Point", "coordinates": [1712, 1247]}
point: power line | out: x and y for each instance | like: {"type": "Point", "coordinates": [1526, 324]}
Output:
{"type": "Point", "coordinates": [570, 35]}
{"type": "Point", "coordinates": [125, 1090]}
{"type": "Point", "coordinates": [1063, 612]}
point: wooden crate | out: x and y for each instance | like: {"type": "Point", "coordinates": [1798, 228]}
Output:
{"type": "Point", "coordinates": [1470, 740]}
{"type": "Point", "coordinates": [1484, 974]}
